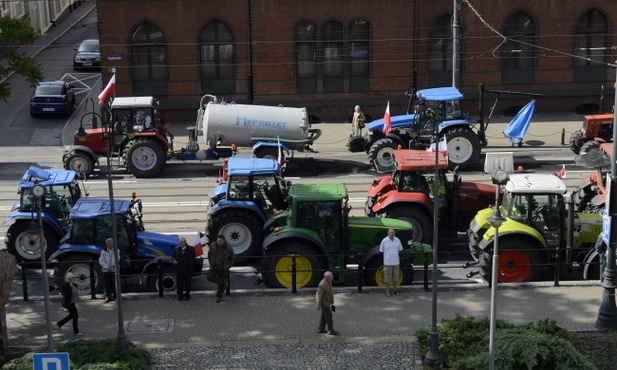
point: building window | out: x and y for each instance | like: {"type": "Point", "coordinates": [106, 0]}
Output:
{"type": "Point", "coordinates": [333, 56]}
{"type": "Point", "coordinates": [591, 47]}
{"type": "Point", "coordinates": [148, 60]}
{"type": "Point", "coordinates": [440, 51]}
{"type": "Point", "coordinates": [518, 56]}
{"type": "Point", "coordinates": [359, 55]}
{"type": "Point", "coordinates": [306, 57]}
{"type": "Point", "coordinates": [217, 59]}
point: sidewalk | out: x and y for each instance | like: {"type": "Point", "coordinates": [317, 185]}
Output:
{"type": "Point", "coordinates": [255, 325]}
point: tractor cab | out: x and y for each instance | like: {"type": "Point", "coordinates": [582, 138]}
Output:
{"type": "Point", "coordinates": [129, 114]}
{"type": "Point", "coordinates": [415, 172]}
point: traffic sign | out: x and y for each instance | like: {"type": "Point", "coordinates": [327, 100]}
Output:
{"type": "Point", "coordinates": [606, 227]}
{"type": "Point", "coordinates": [51, 361]}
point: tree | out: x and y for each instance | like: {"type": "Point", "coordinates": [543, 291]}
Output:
{"type": "Point", "coordinates": [13, 34]}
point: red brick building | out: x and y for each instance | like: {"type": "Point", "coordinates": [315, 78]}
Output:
{"type": "Point", "coordinates": [330, 55]}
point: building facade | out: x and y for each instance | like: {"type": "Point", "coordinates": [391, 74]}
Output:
{"type": "Point", "coordinates": [331, 55]}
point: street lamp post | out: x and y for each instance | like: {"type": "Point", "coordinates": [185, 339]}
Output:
{"type": "Point", "coordinates": [607, 315]}
{"type": "Point", "coordinates": [500, 177]}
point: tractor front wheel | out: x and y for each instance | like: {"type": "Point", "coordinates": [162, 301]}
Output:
{"type": "Point", "coordinates": [26, 250]}
{"type": "Point", "coordinates": [422, 230]}
{"type": "Point", "coordinates": [278, 266]}
{"type": "Point", "coordinates": [463, 147]}
{"type": "Point", "coordinates": [380, 155]}
{"type": "Point", "coordinates": [81, 163]}
{"type": "Point", "coordinates": [79, 265]}
{"type": "Point", "coordinates": [518, 262]}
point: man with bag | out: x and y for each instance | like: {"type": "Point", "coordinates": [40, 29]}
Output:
{"type": "Point", "coordinates": [221, 257]}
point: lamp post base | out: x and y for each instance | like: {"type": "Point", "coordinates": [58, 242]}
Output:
{"type": "Point", "coordinates": [433, 355]}
{"type": "Point", "coordinates": [607, 316]}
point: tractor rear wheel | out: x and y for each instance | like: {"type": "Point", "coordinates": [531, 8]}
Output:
{"type": "Point", "coordinates": [144, 158]}
{"type": "Point", "coordinates": [518, 262]}
{"type": "Point", "coordinates": [380, 155]}
{"type": "Point", "coordinates": [81, 163]}
{"type": "Point", "coordinates": [25, 250]}
{"type": "Point", "coordinates": [373, 272]}
{"type": "Point", "coordinates": [463, 147]}
{"type": "Point", "coordinates": [79, 265]}
{"type": "Point", "coordinates": [589, 146]}
{"type": "Point", "coordinates": [243, 232]}
{"type": "Point", "coordinates": [277, 271]}
{"type": "Point", "coordinates": [575, 145]}
{"type": "Point", "coordinates": [422, 224]}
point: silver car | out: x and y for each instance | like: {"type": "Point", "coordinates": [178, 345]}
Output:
{"type": "Point", "coordinates": [88, 55]}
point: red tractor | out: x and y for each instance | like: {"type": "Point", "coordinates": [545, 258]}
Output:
{"type": "Point", "coordinates": [408, 195]}
{"type": "Point", "coordinates": [597, 129]}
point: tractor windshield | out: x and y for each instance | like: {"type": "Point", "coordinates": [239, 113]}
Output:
{"type": "Point", "coordinates": [540, 211]}
{"type": "Point", "coordinates": [267, 194]}
{"type": "Point", "coordinates": [324, 218]}
{"type": "Point", "coordinates": [97, 231]}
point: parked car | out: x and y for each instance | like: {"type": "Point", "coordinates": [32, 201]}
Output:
{"type": "Point", "coordinates": [87, 55]}
{"type": "Point", "coordinates": [52, 97]}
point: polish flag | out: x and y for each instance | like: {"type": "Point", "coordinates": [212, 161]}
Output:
{"type": "Point", "coordinates": [109, 89]}
{"type": "Point", "coordinates": [197, 246]}
{"type": "Point", "coordinates": [562, 173]}
{"type": "Point", "coordinates": [280, 158]}
{"type": "Point", "coordinates": [387, 123]}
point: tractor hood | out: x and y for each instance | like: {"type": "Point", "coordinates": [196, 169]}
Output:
{"type": "Point", "coordinates": [397, 121]}
{"type": "Point", "coordinates": [156, 245]}
{"type": "Point", "coordinates": [379, 222]}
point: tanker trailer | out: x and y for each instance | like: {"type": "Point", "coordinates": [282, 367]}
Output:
{"type": "Point", "coordinates": [261, 127]}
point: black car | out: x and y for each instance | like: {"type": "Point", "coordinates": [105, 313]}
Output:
{"type": "Point", "coordinates": [88, 55]}
{"type": "Point", "coordinates": [52, 97]}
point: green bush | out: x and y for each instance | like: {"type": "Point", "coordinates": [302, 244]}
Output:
{"type": "Point", "coordinates": [464, 342]}
{"type": "Point", "coordinates": [94, 355]}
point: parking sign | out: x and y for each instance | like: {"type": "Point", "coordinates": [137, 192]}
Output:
{"type": "Point", "coordinates": [51, 361]}
{"type": "Point", "coordinates": [606, 227]}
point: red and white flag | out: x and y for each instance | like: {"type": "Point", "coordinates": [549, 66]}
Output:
{"type": "Point", "coordinates": [280, 158]}
{"type": "Point", "coordinates": [387, 123]}
{"type": "Point", "coordinates": [562, 173]}
{"type": "Point", "coordinates": [197, 246]}
{"type": "Point", "coordinates": [109, 89]}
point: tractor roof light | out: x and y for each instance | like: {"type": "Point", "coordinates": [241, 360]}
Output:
{"type": "Point", "coordinates": [500, 177]}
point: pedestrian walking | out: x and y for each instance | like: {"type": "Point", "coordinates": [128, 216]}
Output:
{"type": "Point", "coordinates": [390, 247]}
{"type": "Point", "coordinates": [184, 259]}
{"type": "Point", "coordinates": [69, 298]}
{"type": "Point", "coordinates": [221, 257]}
{"type": "Point", "coordinates": [325, 303]}
{"type": "Point", "coordinates": [357, 122]}
{"type": "Point", "coordinates": [107, 262]}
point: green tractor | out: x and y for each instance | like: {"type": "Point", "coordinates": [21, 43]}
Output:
{"type": "Point", "coordinates": [535, 232]}
{"type": "Point", "coordinates": [317, 232]}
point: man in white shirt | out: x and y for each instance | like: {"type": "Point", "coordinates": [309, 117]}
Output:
{"type": "Point", "coordinates": [108, 265]}
{"type": "Point", "coordinates": [390, 247]}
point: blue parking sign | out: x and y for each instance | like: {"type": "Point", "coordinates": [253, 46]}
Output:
{"type": "Point", "coordinates": [606, 227]}
{"type": "Point", "coordinates": [51, 361]}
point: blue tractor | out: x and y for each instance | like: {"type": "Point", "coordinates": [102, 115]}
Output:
{"type": "Point", "coordinates": [62, 191]}
{"type": "Point", "coordinates": [432, 114]}
{"type": "Point", "coordinates": [140, 251]}
{"type": "Point", "coordinates": [250, 192]}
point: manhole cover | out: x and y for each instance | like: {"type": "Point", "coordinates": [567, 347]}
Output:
{"type": "Point", "coordinates": [161, 326]}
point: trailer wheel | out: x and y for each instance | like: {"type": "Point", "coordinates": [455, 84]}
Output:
{"type": "Point", "coordinates": [81, 163]}
{"type": "Point", "coordinates": [25, 250]}
{"type": "Point", "coordinates": [243, 232]}
{"type": "Point", "coordinates": [144, 158]}
{"type": "Point", "coordinates": [422, 230]}
{"type": "Point", "coordinates": [373, 272]}
{"type": "Point", "coordinates": [380, 155]}
{"type": "Point", "coordinates": [277, 271]}
{"type": "Point", "coordinates": [517, 262]}
{"type": "Point", "coordinates": [79, 265]}
{"type": "Point", "coordinates": [463, 147]}
{"type": "Point", "coordinates": [578, 134]}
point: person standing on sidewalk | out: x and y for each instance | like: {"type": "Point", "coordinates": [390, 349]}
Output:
{"type": "Point", "coordinates": [357, 122]}
{"type": "Point", "coordinates": [390, 247]}
{"type": "Point", "coordinates": [325, 303]}
{"type": "Point", "coordinates": [108, 265]}
{"type": "Point", "coordinates": [221, 257]}
{"type": "Point", "coordinates": [184, 259]}
{"type": "Point", "coordinates": [69, 298]}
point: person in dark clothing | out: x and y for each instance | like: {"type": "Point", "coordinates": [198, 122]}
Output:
{"type": "Point", "coordinates": [221, 257]}
{"type": "Point", "coordinates": [184, 259]}
{"type": "Point", "coordinates": [69, 297]}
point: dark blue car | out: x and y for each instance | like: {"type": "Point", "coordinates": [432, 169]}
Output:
{"type": "Point", "coordinates": [52, 97]}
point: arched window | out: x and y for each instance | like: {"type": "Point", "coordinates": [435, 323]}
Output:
{"type": "Point", "coordinates": [518, 55]}
{"type": "Point", "coordinates": [591, 46]}
{"type": "Point", "coordinates": [217, 59]}
{"type": "Point", "coordinates": [333, 56]}
{"type": "Point", "coordinates": [359, 55]}
{"type": "Point", "coordinates": [440, 51]}
{"type": "Point", "coordinates": [149, 60]}
{"type": "Point", "coordinates": [306, 58]}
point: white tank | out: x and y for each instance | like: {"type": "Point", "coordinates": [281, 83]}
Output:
{"type": "Point", "coordinates": [244, 125]}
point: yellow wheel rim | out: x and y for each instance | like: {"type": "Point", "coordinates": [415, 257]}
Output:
{"type": "Point", "coordinates": [380, 279]}
{"type": "Point", "coordinates": [304, 271]}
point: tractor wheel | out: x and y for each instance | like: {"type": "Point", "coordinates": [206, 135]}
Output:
{"type": "Point", "coordinates": [81, 163]}
{"type": "Point", "coordinates": [590, 147]}
{"type": "Point", "coordinates": [278, 266]}
{"type": "Point", "coordinates": [422, 224]}
{"type": "Point", "coordinates": [268, 153]}
{"type": "Point", "coordinates": [170, 281]}
{"type": "Point", "coordinates": [463, 147]}
{"type": "Point", "coordinates": [517, 262]}
{"type": "Point", "coordinates": [380, 155]}
{"type": "Point", "coordinates": [373, 272]}
{"type": "Point", "coordinates": [144, 158]}
{"type": "Point", "coordinates": [243, 232]}
{"type": "Point", "coordinates": [25, 250]}
{"type": "Point", "coordinates": [79, 265]}
{"type": "Point", "coordinates": [573, 142]}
